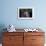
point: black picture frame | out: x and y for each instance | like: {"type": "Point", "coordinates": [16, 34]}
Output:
{"type": "Point", "coordinates": [25, 13]}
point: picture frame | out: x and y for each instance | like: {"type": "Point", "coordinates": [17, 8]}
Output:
{"type": "Point", "coordinates": [25, 13]}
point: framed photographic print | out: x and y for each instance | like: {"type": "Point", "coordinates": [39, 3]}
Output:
{"type": "Point", "coordinates": [25, 13]}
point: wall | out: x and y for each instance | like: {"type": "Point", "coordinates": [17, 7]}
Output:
{"type": "Point", "coordinates": [9, 13]}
